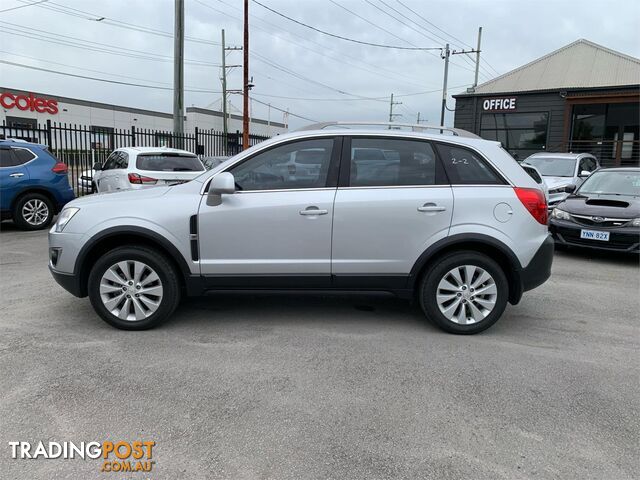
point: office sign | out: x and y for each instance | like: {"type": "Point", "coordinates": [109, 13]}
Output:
{"type": "Point", "coordinates": [499, 104]}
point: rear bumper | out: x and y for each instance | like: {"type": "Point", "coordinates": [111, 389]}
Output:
{"type": "Point", "coordinates": [622, 239]}
{"type": "Point", "coordinates": [539, 269]}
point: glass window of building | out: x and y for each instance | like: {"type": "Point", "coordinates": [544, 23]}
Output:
{"type": "Point", "coordinates": [520, 133]}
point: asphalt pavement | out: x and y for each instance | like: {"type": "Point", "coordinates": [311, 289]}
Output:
{"type": "Point", "coordinates": [327, 387]}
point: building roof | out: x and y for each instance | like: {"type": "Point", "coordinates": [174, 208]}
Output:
{"type": "Point", "coordinates": [581, 64]}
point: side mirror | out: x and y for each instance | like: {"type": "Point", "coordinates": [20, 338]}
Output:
{"type": "Point", "coordinates": [97, 166]}
{"type": "Point", "coordinates": [223, 183]}
{"type": "Point", "coordinates": [570, 188]}
{"type": "Point", "coordinates": [584, 173]}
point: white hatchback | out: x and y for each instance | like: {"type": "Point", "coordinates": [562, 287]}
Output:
{"type": "Point", "coordinates": [138, 167]}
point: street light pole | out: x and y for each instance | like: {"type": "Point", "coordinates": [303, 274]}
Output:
{"type": "Point", "coordinates": [178, 72]}
{"type": "Point", "coordinates": [245, 80]}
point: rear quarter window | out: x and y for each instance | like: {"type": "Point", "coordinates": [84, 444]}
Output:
{"type": "Point", "coordinates": [23, 155]}
{"type": "Point", "coordinates": [465, 167]}
{"type": "Point", "coordinates": [168, 162]}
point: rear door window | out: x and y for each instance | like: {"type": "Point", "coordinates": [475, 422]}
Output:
{"type": "Point", "coordinates": [465, 167]}
{"type": "Point", "coordinates": [393, 162]}
{"type": "Point", "coordinates": [168, 162]}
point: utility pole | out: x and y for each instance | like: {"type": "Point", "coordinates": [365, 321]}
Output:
{"type": "Point", "coordinates": [475, 82]}
{"type": "Point", "coordinates": [245, 80]}
{"type": "Point", "coordinates": [225, 127]}
{"type": "Point", "coordinates": [445, 55]}
{"type": "Point", "coordinates": [444, 85]}
{"type": "Point", "coordinates": [178, 72]}
{"type": "Point", "coordinates": [391, 114]}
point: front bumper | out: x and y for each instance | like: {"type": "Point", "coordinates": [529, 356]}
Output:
{"type": "Point", "coordinates": [621, 239]}
{"type": "Point", "coordinates": [69, 281]}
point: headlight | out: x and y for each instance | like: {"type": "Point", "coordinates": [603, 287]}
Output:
{"type": "Point", "coordinates": [64, 217]}
{"type": "Point", "coordinates": [557, 190]}
{"type": "Point", "coordinates": [635, 222]}
{"type": "Point", "coordinates": [560, 214]}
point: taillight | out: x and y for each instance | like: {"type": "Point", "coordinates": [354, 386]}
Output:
{"type": "Point", "coordinates": [136, 179]}
{"type": "Point", "coordinates": [60, 167]}
{"type": "Point", "coordinates": [534, 201]}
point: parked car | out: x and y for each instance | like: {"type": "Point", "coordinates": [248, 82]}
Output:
{"type": "Point", "coordinates": [33, 184]}
{"type": "Point", "coordinates": [461, 228]}
{"type": "Point", "coordinates": [140, 167]}
{"type": "Point", "coordinates": [604, 213]}
{"type": "Point", "coordinates": [560, 170]}
{"type": "Point", "coordinates": [539, 179]}
{"type": "Point", "coordinates": [85, 182]}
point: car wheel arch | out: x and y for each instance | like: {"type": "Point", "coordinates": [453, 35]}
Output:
{"type": "Point", "coordinates": [41, 191]}
{"type": "Point", "coordinates": [495, 249]}
{"type": "Point", "coordinates": [127, 235]}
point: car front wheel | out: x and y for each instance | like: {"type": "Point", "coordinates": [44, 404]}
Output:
{"type": "Point", "coordinates": [134, 288]}
{"type": "Point", "coordinates": [465, 292]}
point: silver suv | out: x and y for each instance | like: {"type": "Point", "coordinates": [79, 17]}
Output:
{"type": "Point", "coordinates": [451, 221]}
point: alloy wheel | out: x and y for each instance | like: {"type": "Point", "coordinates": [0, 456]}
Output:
{"type": "Point", "coordinates": [466, 294]}
{"type": "Point", "coordinates": [131, 290]}
{"type": "Point", "coordinates": [35, 212]}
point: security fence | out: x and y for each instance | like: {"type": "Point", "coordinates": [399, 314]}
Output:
{"type": "Point", "coordinates": [80, 146]}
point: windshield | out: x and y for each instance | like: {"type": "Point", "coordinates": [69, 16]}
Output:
{"type": "Point", "coordinates": [612, 183]}
{"type": "Point", "coordinates": [553, 166]}
{"type": "Point", "coordinates": [168, 162]}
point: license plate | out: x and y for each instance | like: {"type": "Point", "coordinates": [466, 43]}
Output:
{"type": "Point", "coordinates": [594, 235]}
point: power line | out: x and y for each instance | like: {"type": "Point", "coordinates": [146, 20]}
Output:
{"type": "Point", "coordinates": [378, 70]}
{"type": "Point", "coordinates": [60, 39]}
{"type": "Point", "coordinates": [74, 12]}
{"type": "Point", "coordinates": [384, 98]}
{"type": "Point", "coordinates": [85, 77]}
{"type": "Point", "coordinates": [403, 23]}
{"type": "Point", "coordinates": [23, 6]}
{"type": "Point", "coordinates": [361, 42]}
{"type": "Point", "coordinates": [462, 44]}
{"type": "Point", "coordinates": [371, 23]}
{"type": "Point", "coordinates": [82, 68]}
{"type": "Point", "coordinates": [284, 111]}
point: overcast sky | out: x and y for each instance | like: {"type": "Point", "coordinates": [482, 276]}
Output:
{"type": "Point", "coordinates": [311, 74]}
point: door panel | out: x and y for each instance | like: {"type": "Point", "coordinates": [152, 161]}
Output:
{"type": "Point", "coordinates": [13, 177]}
{"type": "Point", "coordinates": [267, 233]}
{"type": "Point", "coordinates": [383, 231]}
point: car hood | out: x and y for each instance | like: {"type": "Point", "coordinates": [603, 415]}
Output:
{"type": "Point", "coordinates": [612, 206]}
{"type": "Point", "coordinates": [120, 195]}
{"type": "Point", "coordinates": [555, 182]}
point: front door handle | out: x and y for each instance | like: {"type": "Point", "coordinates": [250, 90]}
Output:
{"type": "Point", "coordinates": [16, 175]}
{"type": "Point", "coordinates": [431, 207]}
{"type": "Point", "coordinates": [313, 211]}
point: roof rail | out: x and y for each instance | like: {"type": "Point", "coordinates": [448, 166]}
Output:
{"type": "Point", "coordinates": [414, 127]}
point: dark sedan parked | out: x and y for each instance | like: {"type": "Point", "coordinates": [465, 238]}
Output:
{"type": "Point", "coordinates": [603, 213]}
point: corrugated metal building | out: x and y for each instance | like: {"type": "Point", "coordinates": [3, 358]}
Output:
{"type": "Point", "coordinates": [580, 98]}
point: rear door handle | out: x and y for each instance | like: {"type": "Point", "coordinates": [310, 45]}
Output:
{"type": "Point", "coordinates": [16, 175]}
{"type": "Point", "coordinates": [431, 207]}
{"type": "Point", "coordinates": [313, 211]}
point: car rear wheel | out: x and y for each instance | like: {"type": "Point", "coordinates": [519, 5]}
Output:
{"type": "Point", "coordinates": [33, 211]}
{"type": "Point", "coordinates": [465, 292]}
{"type": "Point", "coordinates": [134, 288]}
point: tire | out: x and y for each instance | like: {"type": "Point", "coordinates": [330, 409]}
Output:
{"type": "Point", "coordinates": [153, 305]}
{"type": "Point", "coordinates": [33, 211]}
{"type": "Point", "coordinates": [462, 303]}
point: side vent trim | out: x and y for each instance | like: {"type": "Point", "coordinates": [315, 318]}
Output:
{"type": "Point", "coordinates": [193, 237]}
